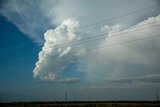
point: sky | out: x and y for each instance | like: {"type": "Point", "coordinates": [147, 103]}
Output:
{"type": "Point", "coordinates": [93, 50]}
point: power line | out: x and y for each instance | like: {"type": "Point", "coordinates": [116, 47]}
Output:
{"type": "Point", "coordinates": [113, 18]}
{"type": "Point", "coordinates": [119, 43]}
{"type": "Point", "coordinates": [120, 16]}
{"type": "Point", "coordinates": [94, 38]}
{"type": "Point", "coordinates": [111, 45]}
{"type": "Point", "coordinates": [105, 46]}
{"type": "Point", "coordinates": [105, 34]}
{"type": "Point", "coordinates": [105, 20]}
{"type": "Point", "coordinates": [102, 36]}
{"type": "Point", "coordinates": [116, 17]}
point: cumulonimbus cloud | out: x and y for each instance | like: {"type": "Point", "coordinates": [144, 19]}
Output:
{"type": "Point", "coordinates": [116, 62]}
{"type": "Point", "coordinates": [55, 56]}
{"type": "Point", "coordinates": [102, 64]}
{"type": "Point", "coordinates": [128, 60]}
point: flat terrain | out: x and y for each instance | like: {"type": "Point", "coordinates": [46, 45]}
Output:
{"type": "Point", "coordinates": [84, 104]}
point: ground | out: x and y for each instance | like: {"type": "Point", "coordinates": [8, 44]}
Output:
{"type": "Point", "coordinates": [84, 104]}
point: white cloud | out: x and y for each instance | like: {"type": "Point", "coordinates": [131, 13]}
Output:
{"type": "Point", "coordinates": [65, 81]}
{"type": "Point", "coordinates": [122, 61]}
{"type": "Point", "coordinates": [33, 18]}
{"type": "Point", "coordinates": [26, 16]}
{"type": "Point", "coordinates": [127, 60]}
{"type": "Point", "coordinates": [152, 78]}
{"type": "Point", "coordinates": [49, 67]}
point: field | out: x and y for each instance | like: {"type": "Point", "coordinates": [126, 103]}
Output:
{"type": "Point", "coordinates": [84, 104]}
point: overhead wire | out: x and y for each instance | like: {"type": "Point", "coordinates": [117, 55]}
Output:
{"type": "Point", "coordinates": [100, 36]}
{"type": "Point", "coordinates": [119, 43]}
{"type": "Point", "coordinates": [104, 46]}
{"type": "Point", "coordinates": [116, 17]}
{"type": "Point", "coordinates": [113, 18]}
{"type": "Point", "coordinates": [101, 21]}
{"type": "Point", "coordinates": [93, 39]}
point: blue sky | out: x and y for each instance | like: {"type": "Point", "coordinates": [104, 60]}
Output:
{"type": "Point", "coordinates": [18, 57]}
{"type": "Point", "coordinates": [16, 54]}
{"type": "Point", "coordinates": [34, 66]}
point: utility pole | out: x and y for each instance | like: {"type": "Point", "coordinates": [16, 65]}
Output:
{"type": "Point", "coordinates": [55, 99]}
{"type": "Point", "coordinates": [75, 99]}
{"type": "Point", "coordinates": [66, 96]}
{"type": "Point", "coordinates": [157, 97]}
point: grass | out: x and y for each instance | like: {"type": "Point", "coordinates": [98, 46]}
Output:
{"type": "Point", "coordinates": [84, 104]}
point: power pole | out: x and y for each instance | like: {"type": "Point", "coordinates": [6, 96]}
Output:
{"type": "Point", "coordinates": [66, 96]}
{"type": "Point", "coordinates": [157, 97]}
{"type": "Point", "coordinates": [55, 99]}
{"type": "Point", "coordinates": [75, 98]}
